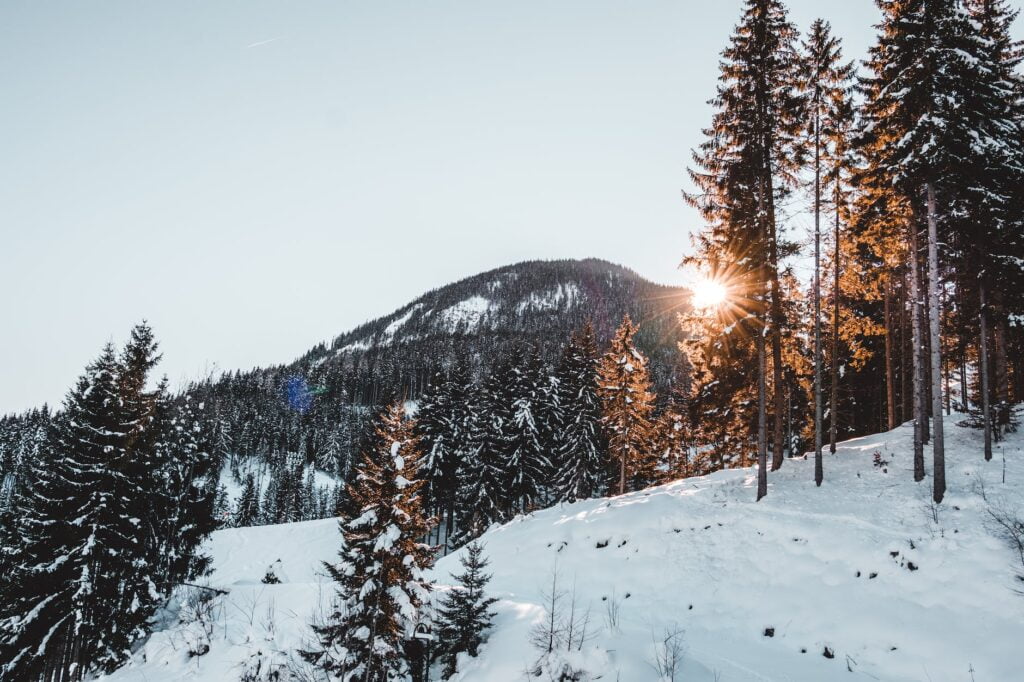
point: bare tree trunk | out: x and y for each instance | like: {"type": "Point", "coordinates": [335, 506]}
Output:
{"type": "Point", "coordinates": [964, 402]}
{"type": "Point", "coordinates": [890, 380]}
{"type": "Point", "coordinates": [986, 413]}
{"type": "Point", "coordinates": [778, 446]}
{"type": "Point", "coordinates": [818, 474]}
{"type": "Point", "coordinates": [1002, 415]}
{"type": "Point", "coordinates": [935, 320]}
{"type": "Point", "coordinates": [762, 443]}
{"type": "Point", "coordinates": [906, 358]}
{"type": "Point", "coordinates": [833, 404]}
{"type": "Point", "coordinates": [919, 412]}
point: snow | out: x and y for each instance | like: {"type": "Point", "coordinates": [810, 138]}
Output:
{"type": "Point", "coordinates": [398, 323]}
{"type": "Point", "coordinates": [466, 315]}
{"type": "Point", "coordinates": [556, 298]}
{"type": "Point", "coordinates": [860, 565]}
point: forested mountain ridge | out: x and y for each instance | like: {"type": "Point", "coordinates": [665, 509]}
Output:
{"type": "Point", "coordinates": [533, 302]}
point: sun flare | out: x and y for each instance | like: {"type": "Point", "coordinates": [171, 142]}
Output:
{"type": "Point", "coordinates": [707, 293]}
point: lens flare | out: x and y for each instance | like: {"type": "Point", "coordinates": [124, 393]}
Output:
{"type": "Point", "coordinates": [707, 293]}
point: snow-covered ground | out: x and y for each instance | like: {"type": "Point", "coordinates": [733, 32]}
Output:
{"type": "Point", "coordinates": [863, 566]}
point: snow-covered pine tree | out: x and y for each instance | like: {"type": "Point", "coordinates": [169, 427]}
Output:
{"type": "Point", "coordinates": [626, 407]}
{"type": "Point", "coordinates": [671, 434]}
{"type": "Point", "coordinates": [381, 589]}
{"type": "Point", "coordinates": [247, 510]}
{"type": "Point", "coordinates": [444, 423]}
{"type": "Point", "coordinates": [72, 525]}
{"type": "Point", "coordinates": [465, 615]}
{"type": "Point", "coordinates": [580, 452]}
{"type": "Point", "coordinates": [484, 475]}
{"type": "Point", "coordinates": [183, 498]}
{"type": "Point", "coordinates": [933, 113]}
{"type": "Point", "coordinates": [529, 467]}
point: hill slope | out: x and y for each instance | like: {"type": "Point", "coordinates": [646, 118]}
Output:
{"type": "Point", "coordinates": [860, 566]}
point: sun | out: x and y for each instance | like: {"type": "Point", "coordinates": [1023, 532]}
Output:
{"type": "Point", "coordinates": [707, 293]}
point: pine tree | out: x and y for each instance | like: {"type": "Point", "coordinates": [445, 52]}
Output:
{"type": "Point", "coordinates": [626, 405]}
{"type": "Point", "coordinates": [247, 510]}
{"type": "Point", "coordinates": [67, 566]}
{"type": "Point", "coordinates": [444, 423]}
{"type": "Point", "coordinates": [933, 114]}
{"type": "Point", "coordinates": [183, 498]}
{"type": "Point", "coordinates": [580, 455]}
{"type": "Point", "coordinates": [525, 436]}
{"type": "Point", "coordinates": [744, 165]}
{"type": "Point", "coordinates": [826, 82]}
{"type": "Point", "coordinates": [672, 436]}
{"type": "Point", "coordinates": [381, 589]}
{"type": "Point", "coordinates": [465, 615]}
{"type": "Point", "coordinates": [484, 475]}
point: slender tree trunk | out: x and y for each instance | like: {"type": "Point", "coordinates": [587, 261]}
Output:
{"type": "Point", "coordinates": [890, 379]}
{"type": "Point", "coordinates": [778, 447]}
{"type": "Point", "coordinates": [906, 355]}
{"type": "Point", "coordinates": [935, 320]}
{"type": "Point", "coordinates": [762, 444]}
{"type": "Point", "coordinates": [919, 413]}
{"type": "Point", "coordinates": [833, 404]}
{"type": "Point", "coordinates": [1002, 415]}
{"type": "Point", "coordinates": [964, 402]}
{"type": "Point", "coordinates": [986, 415]}
{"type": "Point", "coordinates": [818, 474]}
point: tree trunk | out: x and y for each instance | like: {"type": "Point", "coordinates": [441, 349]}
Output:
{"type": "Point", "coordinates": [890, 379]}
{"type": "Point", "coordinates": [778, 446]}
{"type": "Point", "coordinates": [762, 445]}
{"type": "Point", "coordinates": [915, 303]}
{"type": "Point", "coordinates": [833, 403]}
{"type": "Point", "coordinates": [935, 320]}
{"type": "Point", "coordinates": [986, 415]}
{"type": "Point", "coordinates": [1002, 412]}
{"type": "Point", "coordinates": [818, 474]}
{"type": "Point", "coordinates": [906, 355]}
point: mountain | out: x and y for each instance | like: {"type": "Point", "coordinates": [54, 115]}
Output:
{"type": "Point", "coordinates": [537, 303]}
{"type": "Point", "coordinates": [861, 576]}
{"type": "Point", "coordinates": [316, 407]}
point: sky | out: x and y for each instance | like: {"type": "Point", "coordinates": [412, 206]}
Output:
{"type": "Point", "coordinates": [256, 177]}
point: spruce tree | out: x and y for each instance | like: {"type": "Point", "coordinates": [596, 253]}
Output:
{"type": "Point", "coordinates": [626, 407]}
{"type": "Point", "coordinates": [525, 436]}
{"type": "Point", "coordinates": [826, 81]}
{"type": "Point", "coordinates": [465, 615]}
{"type": "Point", "coordinates": [580, 455]}
{"type": "Point", "coordinates": [484, 475]}
{"type": "Point", "coordinates": [247, 510]}
{"type": "Point", "coordinates": [74, 528]}
{"type": "Point", "coordinates": [933, 113]}
{"type": "Point", "coordinates": [381, 588]}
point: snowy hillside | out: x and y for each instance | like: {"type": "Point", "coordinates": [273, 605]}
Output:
{"type": "Point", "coordinates": [863, 568]}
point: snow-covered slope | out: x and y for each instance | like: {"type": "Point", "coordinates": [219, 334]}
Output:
{"type": "Point", "coordinates": [863, 566]}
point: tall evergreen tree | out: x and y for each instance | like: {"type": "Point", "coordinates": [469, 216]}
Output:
{"type": "Point", "coordinates": [932, 113]}
{"type": "Point", "coordinates": [247, 511]}
{"type": "Point", "coordinates": [525, 436]}
{"type": "Point", "coordinates": [747, 160]}
{"type": "Point", "coordinates": [580, 454]}
{"type": "Point", "coordinates": [381, 588]}
{"type": "Point", "coordinates": [484, 475]}
{"type": "Point", "coordinates": [626, 406]}
{"type": "Point", "coordinates": [826, 82]}
{"type": "Point", "coordinates": [75, 526]}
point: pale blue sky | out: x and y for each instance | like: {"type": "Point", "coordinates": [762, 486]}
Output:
{"type": "Point", "coordinates": [255, 177]}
